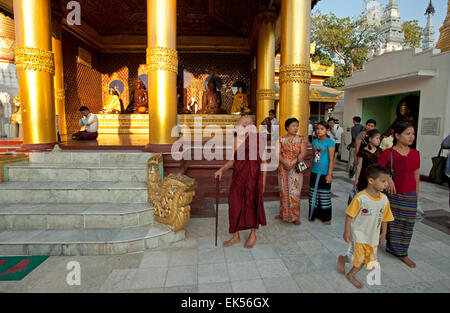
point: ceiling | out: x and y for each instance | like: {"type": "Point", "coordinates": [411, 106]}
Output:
{"type": "Point", "coordinates": [232, 18]}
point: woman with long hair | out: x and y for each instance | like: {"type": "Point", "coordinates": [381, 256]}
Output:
{"type": "Point", "coordinates": [366, 157]}
{"type": "Point", "coordinates": [292, 151]}
{"type": "Point", "coordinates": [321, 176]}
{"type": "Point", "coordinates": [403, 190]}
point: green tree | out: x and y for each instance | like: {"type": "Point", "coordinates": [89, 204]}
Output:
{"type": "Point", "coordinates": [413, 33]}
{"type": "Point", "coordinates": [347, 42]}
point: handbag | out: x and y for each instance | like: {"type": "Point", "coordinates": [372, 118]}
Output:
{"type": "Point", "coordinates": [352, 194]}
{"type": "Point", "coordinates": [300, 167]}
{"type": "Point", "coordinates": [437, 173]}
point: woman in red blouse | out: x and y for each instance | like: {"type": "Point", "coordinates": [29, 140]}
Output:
{"type": "Point", "coordinates": [403, 190]}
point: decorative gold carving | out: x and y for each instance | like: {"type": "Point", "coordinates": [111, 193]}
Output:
{"type": "Point", "coordinates": [60, 94]}
{"type": "Point", "coordinates": [295, 73]}
{"type": "Point", "coordinates": [35, 59]}
{"type": "Point", "coordinates": [162, 58]}
{"type": "Point", "coordinates": [322, 70]}
{"type": "Point", "coordinates": [265, 94]}
{"type": "Point", "coordinates": [169, 196]}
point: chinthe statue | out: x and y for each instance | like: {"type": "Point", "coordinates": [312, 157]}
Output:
{"type": "Point", "coordinates": [112, 103]}
{"type": "Point", "coordinates": [140, 97]}
{"type": "Point", "coordinates": [212, 100]}
{"type": "Point", "coordinates": [240, 103]}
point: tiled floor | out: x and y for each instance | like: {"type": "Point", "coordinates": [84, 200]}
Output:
{"type": "Point", "coordinates": [286, 259]}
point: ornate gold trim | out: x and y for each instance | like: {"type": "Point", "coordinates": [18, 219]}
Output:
{"type": "Point", "coordinates": [265, 94]}
{"type": "Point", "coordinates": [295, 73]}
{"type": "Point", "coordinates": [34, 59]}
{"type": "Point", "coordinates": [162, 58]}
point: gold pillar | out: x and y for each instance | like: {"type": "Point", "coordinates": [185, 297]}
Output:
{"type": "Point", "coordinates": [295, 70]}
{"type": "Point", "coordinates": [59, 92]}
{"type": "Point", "coordinates": [35, 67]}
{"type": "Point", "coordinates": [162, 66]}
{"type": "Point", "coordinates": [265, 93]}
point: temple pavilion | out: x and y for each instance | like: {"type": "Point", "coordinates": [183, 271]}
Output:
{"type": "Point", "coordinates": [67, 58]}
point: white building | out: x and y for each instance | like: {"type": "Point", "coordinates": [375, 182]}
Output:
{"type": "Point", "coordinates": [378, 89]}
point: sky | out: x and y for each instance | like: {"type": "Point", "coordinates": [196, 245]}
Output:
{"type": "Point", "coordinates": [409, 10]}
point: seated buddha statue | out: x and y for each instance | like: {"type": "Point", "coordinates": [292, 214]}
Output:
{"type": "Point", "coordinates": [240, 103]}
{"type": "Point", "coordinates": [212, 100]}
{"type": "Point", "coordinates": [16, 117]}
{"type": "Point", "coordinates": [112, 103]}
{"type": "Point", "coordinates": [140, 97]}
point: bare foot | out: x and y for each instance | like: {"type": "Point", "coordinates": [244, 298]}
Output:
{"type": "Point", "coordinates": [354, 281]}
{"type": "Point", "coordinates": [232, 241]}
{"type": "Point", "coordinates": [327, 223]}
{"type": "Point", "coordinates": [297, 223]}
{"type": "Point", "coordinates": [278, 217]}
{"type": "Point", "coordinates": [341, 264]}
{"type": "Point", "coordinates": [250, 242]}
{"type": "Point", "coordinates": [408, 262]}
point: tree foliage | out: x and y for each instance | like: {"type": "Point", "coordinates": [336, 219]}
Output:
{"type": "Point", "coordinates": [413, 33]}
{"type": "Point", "coordinates": [345, 41]}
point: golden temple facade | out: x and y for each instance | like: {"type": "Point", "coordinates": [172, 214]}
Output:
{"type": "Point", "coordinates": [174, 47]}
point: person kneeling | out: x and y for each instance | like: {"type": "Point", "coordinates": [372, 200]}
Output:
{"type": "Point", "coordinates": [366, 215]}
{"type": "Point", "coordinates": [90, 122]}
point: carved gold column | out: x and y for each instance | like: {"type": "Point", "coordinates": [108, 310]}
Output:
{"type": "Point", "coordinates": [35, 67]}
{"type": "Point", "coordinates": [295, 71]}
{"type": "Point", "coordinates": [60, 104]}
{"type": "Point", "coordinates": [265, 93]}
{"type": "Point", "coordinates": [162, 66]}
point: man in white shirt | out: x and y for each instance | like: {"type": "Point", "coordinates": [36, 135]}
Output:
{"type": "Point", "coordinates": [90, 122]}
{"type": "Point", "coordinates": [337, 134]}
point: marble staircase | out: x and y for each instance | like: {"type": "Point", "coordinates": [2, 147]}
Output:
{"type": "Point", "coordinates": [79, 203]}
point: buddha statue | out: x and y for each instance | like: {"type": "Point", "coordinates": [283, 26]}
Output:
{"type": "Point", "coordinates": [140, 97]}
{"type": "Point", "coordinates": [16, 117]}
{"type": "Point", "coordinates": [403, 116]}
{"type": "Point", "coordinates": [212, 100]}
{"type": "Point", "coordinates": [240, 103]}
{"type": "Point", "coordinates": [113, 104]}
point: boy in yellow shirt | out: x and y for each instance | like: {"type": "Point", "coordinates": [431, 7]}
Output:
{"type": "Point", "coordinates": [367, 214]}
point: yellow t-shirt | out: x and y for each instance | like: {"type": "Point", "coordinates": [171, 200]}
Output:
{"type": "Point", "coordinates": [368, 213]}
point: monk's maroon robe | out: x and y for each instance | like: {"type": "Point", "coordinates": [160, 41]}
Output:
{"type": "Point", "coordinates": [245, 201]}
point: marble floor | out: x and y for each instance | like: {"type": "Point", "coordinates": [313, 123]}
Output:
{"type": "Point", "coordinates": [286, 259]}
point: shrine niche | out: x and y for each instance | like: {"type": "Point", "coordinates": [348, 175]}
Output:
{"type": "Point", "coordinates": [196, 70]}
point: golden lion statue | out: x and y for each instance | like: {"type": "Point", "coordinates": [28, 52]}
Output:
{"type": "Point", "coordinates": [170, 196]}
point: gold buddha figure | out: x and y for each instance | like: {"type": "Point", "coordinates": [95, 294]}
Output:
{"type": "Point", "coordinates": [16, 117]}
{"type": "Point", "coordinates": [240, 103]}
{"type": "Point", "coordinates": [140, 97]}
{"type": "Point", "coordinates": [112, 103]}
{"type": "Point", "coordinates": [212, 100]}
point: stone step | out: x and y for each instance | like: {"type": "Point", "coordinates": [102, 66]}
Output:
{"type": "Point", "coordinates": [86, 242]}
{"type": "Point", "coordinates": [50, 216]}
{"type": "Point", "coordinates": [36, 172]}
{"type": "Point", "coordinates": [91, 157]}
{"type": "Point", "coordinates": [73, 192]}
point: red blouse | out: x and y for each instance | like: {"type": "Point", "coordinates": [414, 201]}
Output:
{"type": "Point", "coordinates": [404, 168]}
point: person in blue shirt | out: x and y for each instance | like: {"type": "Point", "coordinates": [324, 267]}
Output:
{"type": "Point", "coordinates": [321, 175]}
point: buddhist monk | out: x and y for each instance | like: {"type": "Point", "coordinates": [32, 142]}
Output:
{"type": "Point", "coordinates": [245, 200]}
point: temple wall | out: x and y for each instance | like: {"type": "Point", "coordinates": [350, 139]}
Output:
{"type": "Point", "coordinates": [83, 85]}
